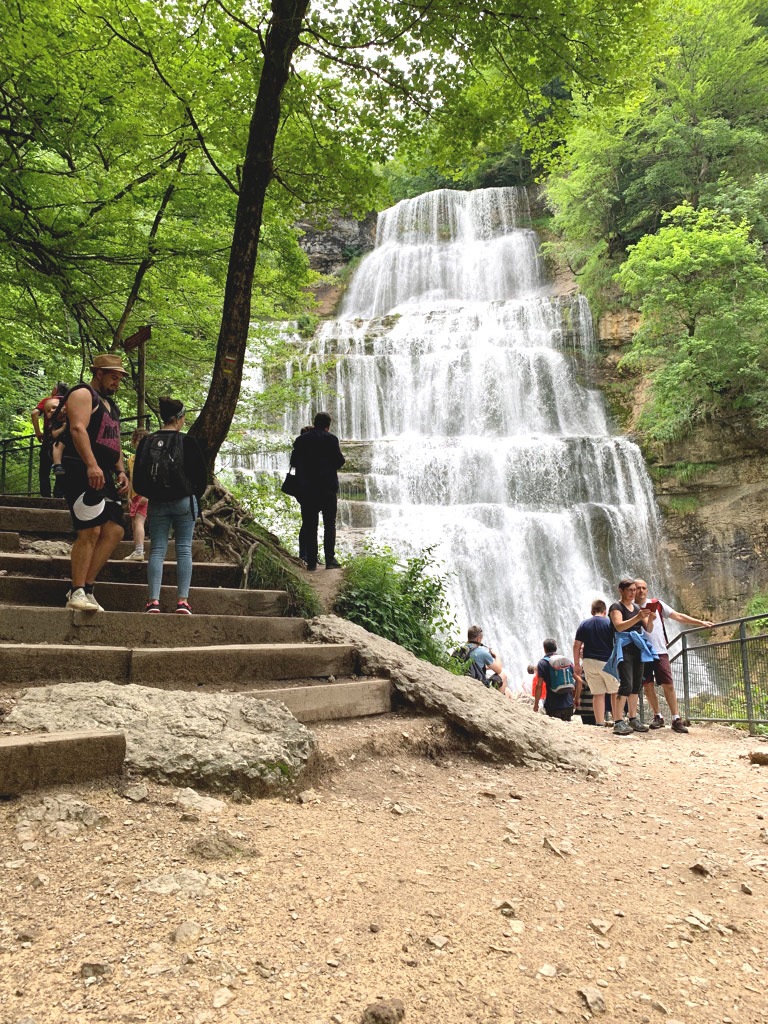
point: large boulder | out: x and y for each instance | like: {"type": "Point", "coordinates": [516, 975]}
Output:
{"type": "Point", "coordinates": [220, 741]}
{"type": "Point", "coordinates": [507, 727]}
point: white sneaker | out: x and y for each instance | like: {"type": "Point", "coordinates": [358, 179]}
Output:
{"type": "Point", "coordinates": [94, 603]}
{"type": "Point", "coordinates": [79, 601]}
{"type": "Point", "coordinates": [135, 556]}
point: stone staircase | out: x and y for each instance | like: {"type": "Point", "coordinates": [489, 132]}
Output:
{"type": "Point", "coordinates": [236, 640]}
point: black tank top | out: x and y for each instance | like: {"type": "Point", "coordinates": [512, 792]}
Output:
{"type": "Point", "coordinates": [103, 430]}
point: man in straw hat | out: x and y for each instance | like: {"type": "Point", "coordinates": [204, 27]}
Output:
{"type": "Point", "coordinates": [94, 477]}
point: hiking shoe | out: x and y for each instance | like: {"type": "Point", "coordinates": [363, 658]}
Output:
{"type": "Point", "coordinates": [622, 728]}
{"type": "Point", "coordinates": [311, 568]}
{"type": "Point", "coordinates": [59, 471]}
{"type": "Point", "coordinates": [182, 607]}
{"type": "Point", "coordinates": [78, 601]}
{"type": "Point", "coordinates": [658, 722]}
{"type": "Point", "coordinates": [94, 603]}
{"type": "Point", "coordinates": [333, 564]}
{"type": "Point", "coordinates": [152, 606]}
{"type": "Point", "coordinates": [678, 725]}
{"type": "Point", "coordinates": [135, 556]}
{"type": "Point", "coordinates": [637, 725]}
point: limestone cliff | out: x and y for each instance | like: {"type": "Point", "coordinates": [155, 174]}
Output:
{"type": "Point", "coordinates": [712, 488]}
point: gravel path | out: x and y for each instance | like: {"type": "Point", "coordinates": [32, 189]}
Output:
{"type": "Point", "coordinates": [411, 872]}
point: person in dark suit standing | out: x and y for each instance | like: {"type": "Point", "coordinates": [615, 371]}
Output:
{"type": "Point", "coordinates": [316, 457]}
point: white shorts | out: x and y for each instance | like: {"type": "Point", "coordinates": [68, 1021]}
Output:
{"type": "Point", "coordinates": [599, 681]}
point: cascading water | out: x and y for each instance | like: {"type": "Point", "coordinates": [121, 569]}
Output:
{"type": "Point", "coordinates": [456, 363]}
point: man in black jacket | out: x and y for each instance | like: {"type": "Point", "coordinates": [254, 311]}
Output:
{"type": "Point", "coordinates": [317, 456]}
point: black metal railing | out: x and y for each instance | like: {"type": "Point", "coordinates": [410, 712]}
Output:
{"type": "Point", "coordinates": [724, 680]}
{"type": "Point", "coordinates": [19, 458]}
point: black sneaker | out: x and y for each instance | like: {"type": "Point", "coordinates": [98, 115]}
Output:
{"type": "Point", "coordinates": [658, 722]}
{"type": "Point", "coordinates": [333, 564]}
{"type": "Point", "coordinates": [678, 725]}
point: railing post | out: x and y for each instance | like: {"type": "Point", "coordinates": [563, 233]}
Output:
{"type": "Point", "coordinates": [747, 678]}
{"type": "Point", "coordinates": [3, 460]}
{"type": "Point", "coordinates": [31, 458]}
{"type": "Point", "coordinates": [686, 681]}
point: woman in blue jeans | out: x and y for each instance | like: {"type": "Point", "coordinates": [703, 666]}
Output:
{"type": "Point", "coordinates": [170, 471]}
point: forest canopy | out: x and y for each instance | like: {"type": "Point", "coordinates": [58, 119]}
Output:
{"type": "Point", "coordinates": [661, 201]}
{"type": "Point", "coordinates": [127, 130]}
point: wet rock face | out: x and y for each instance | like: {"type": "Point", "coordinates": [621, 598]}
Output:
{"type": "Point", "coordinates": [219, 741]}
{"type": "Point", "coordinates": [330, 247]}
{"type": "Point", "coordinates": [711, 489]}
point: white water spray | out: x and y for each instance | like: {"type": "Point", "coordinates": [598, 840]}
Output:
{"type": "Point", "coordinates": [457, 364]}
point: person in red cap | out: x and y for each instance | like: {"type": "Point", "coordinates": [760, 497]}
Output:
{"type": "Point", "coordinates": [94, 477]}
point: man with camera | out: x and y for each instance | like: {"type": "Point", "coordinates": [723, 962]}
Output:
{"type": "Point", "coordinates": [659, 672]}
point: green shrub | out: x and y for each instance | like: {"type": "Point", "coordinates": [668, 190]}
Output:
{"type": "Point", "coordinates": [402, 599]}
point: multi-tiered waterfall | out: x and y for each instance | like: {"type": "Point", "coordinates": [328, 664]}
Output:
{"type": "Point", "coordinates": [458, 365]}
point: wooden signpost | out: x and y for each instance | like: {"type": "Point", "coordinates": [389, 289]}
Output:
{"type": "Point", "coordinates": [137, 340]}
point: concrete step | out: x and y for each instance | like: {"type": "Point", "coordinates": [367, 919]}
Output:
{"type": "Point", "coordinates": [46, 519]}
{"type": "Point", "coordinates": [204, 574]}
{"type": "Point", "coordinates": [23, 501]}
{"type": "Point", "coordinates": [19, 624]}
{"type": "Point", "coordinates": [131, 597]}
{"type": "Point", "coordinates": [328, 701]}
{"type": "Point", "coordinates": [34, 760]}
{"type": "Point", "coordinates": [9, 541]}
{"type": "Point", "coordinates": [125, 547]}
{"type": "Point", "coordinates": [220, 666]}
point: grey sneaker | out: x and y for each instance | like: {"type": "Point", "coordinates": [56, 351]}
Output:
{"type": "Point", "coordinates": [622, 728]}
{"type": "Point", "coordinates": [135, 556]}
{"type": "Point", "coordinates": [79, 601]}
{"type": "Point", "coordinates": [94, 603]}
{"type": "Point", "coordinates": [658, 722]}
{"type": "Point", "coordinates": [637, 725]}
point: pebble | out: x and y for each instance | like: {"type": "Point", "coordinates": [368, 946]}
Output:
{"type": "Point", "coordinates": [593, 997]}
{"type": "Point", "coordinates": [385, 1011]}
{"type": "Point", "coordinates": [546, 971]}
{"type": "Point", "coordinates": [746, 888]}
{"type": "Point", "coordinates": [601, 927]}
{"type": "Point", "coordinates": [137, 793]}
{"type": "Point", "coordinates": [222, 997]}
{"type": "Point", "coordinates": [187, 933]}
{"type": "Point", "coordinates": [438, 941]}
{"type": "Point", "coordinates": [373, 927]}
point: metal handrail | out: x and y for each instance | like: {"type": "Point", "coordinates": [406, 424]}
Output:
{"type": "Point", "coordinates": [715, 625]}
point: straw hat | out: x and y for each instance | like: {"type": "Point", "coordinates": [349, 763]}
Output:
{"type": "Point", "coordinates": [109, 362]}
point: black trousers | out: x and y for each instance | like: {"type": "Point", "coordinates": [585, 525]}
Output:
{"type": "Point", "coordinates": [44, 471]}
{"type": "Point", "coordinates": [310, 515]}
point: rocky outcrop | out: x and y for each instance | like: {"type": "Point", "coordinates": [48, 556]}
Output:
{"type": "Point", "coordinates": [332, 245]}
{"type": "Point", "coordinates": [498, 725]}
{"type": "Point", "coordinates": [219, 741]}
{"type": "Point", "coordinates": [711, 488]}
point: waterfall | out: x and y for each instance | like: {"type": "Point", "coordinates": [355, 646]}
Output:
{"type": "Point", "coordinates": [456, 370]}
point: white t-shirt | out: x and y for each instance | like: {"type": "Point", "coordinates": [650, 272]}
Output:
{"type": "Point", "coordinates": [656, 636]}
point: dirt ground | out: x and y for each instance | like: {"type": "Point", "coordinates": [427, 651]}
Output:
{"type": "Point", "coordinates": [410, 872]}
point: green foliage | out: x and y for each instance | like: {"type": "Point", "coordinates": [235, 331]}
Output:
{"type": "Point", "coordinates": [403, 600]}
{"type": "Point", "coordinates": [682, 472]}
{"type": "Point", "coordinates": [692, 130]}
{"type": "Point", "coordinates": [680, 506]}
{"type": "Point", "coordinates": [702, 287]}
{"type": "Point", "coordinates": [756, 606]}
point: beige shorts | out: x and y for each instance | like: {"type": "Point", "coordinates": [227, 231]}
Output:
{"type": "Point", "coordinates": [597, 680]}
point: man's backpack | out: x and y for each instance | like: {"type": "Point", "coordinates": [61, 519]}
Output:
{"type": "Point", "coordinates": [158, 472]}
{"type": "Point", "coordinates": [472, 669]}
{"type": "Point", "coordinates": [560, 674]}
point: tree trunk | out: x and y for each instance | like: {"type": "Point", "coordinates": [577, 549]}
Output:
{"type": "Point", "coordinates": [213, 423]}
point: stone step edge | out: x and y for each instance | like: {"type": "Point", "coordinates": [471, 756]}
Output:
{"type": "Point", "coordinates": [326, 702]}
{"type": "Point", "coordinates": [40, 558]}
{"type": "Point", "coordinates": [220, 591]}
{"type": "Point", "coordinates": [31, 761]}
{"type": "Point", "coordinates": [106, 616]}
{"type": "Point", "coordinates": [56, 649]}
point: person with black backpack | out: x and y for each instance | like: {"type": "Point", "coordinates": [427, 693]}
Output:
{"type": "Point", "coordinates": [480, 660]}
{"type": "Point", "coordinates": [169, 470]}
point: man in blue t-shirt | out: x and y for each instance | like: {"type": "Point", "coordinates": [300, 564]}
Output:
{"type": "Point", "coordinates": [556, 705]}
{"type": "Point", "coordinates": [592, 647]}
{"type": "Point", "coordinates": [486, 659]}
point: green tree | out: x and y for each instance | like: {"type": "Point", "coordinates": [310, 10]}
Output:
{"type": "Point", "coordinates": [702, 287]}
